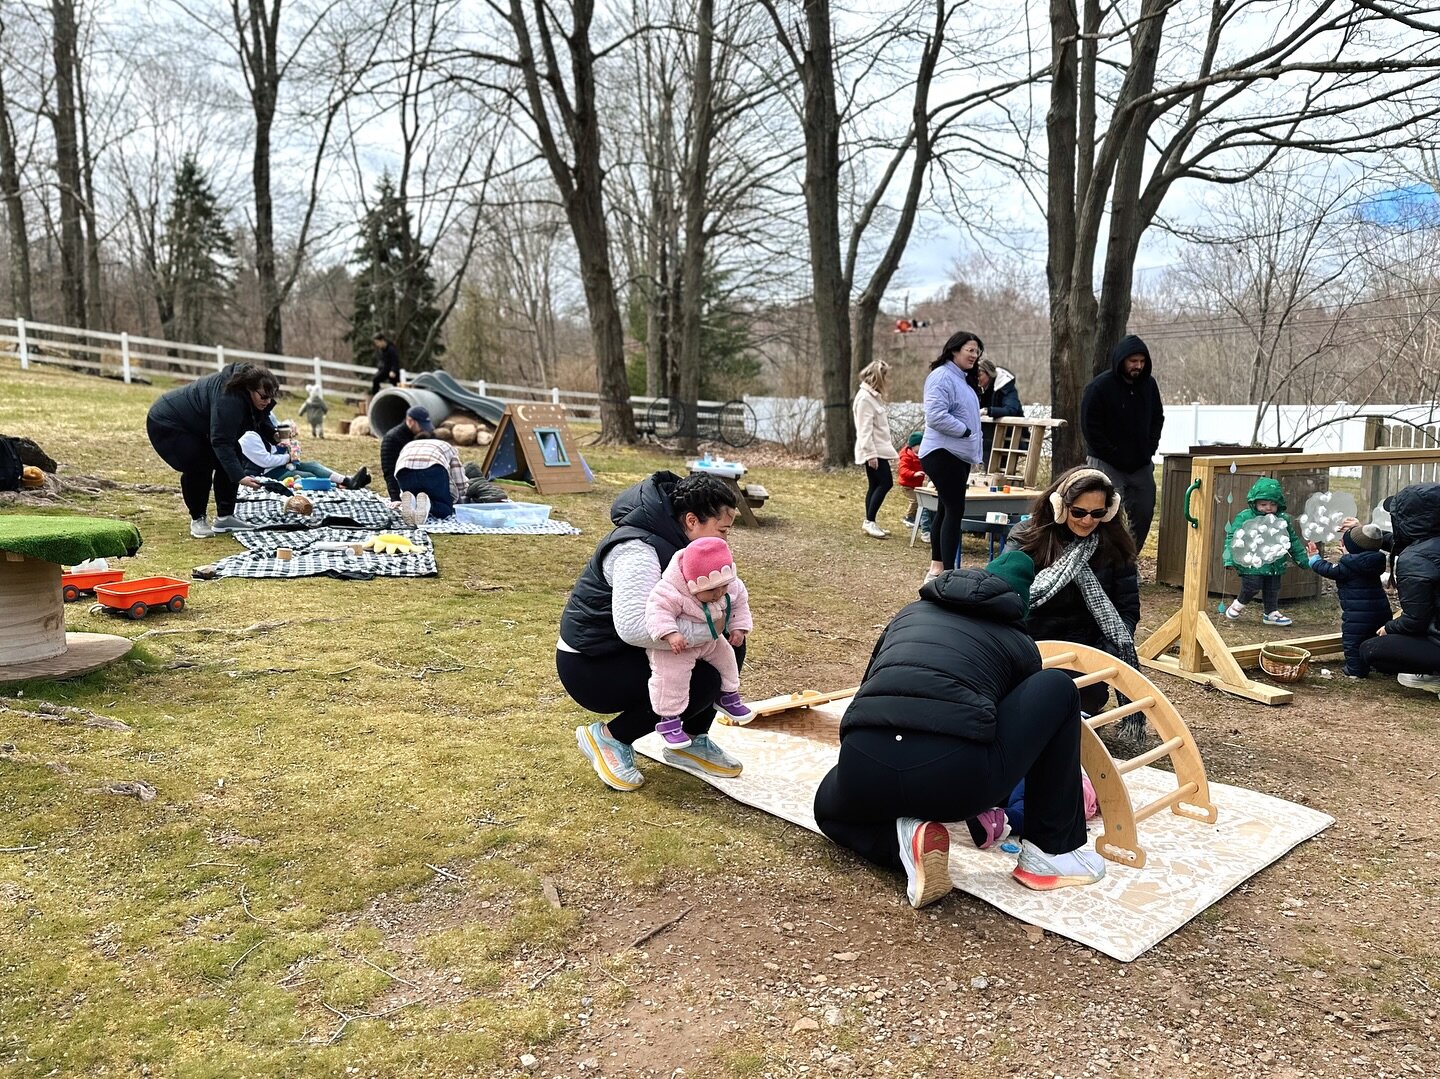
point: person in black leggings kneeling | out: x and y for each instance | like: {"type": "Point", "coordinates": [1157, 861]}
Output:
{"type": "Point", "coordinates": [600, 656]}
{"type": "Point", "coordinates": [954, 710]}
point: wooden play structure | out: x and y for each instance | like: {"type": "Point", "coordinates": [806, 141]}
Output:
{"type": "Point", "coordinates": [533, 443]}
{"type": "Point", "coordinates": [1015, 451]}
{"type": "Point", "coordinates": [788, 702]}
{"type": "Point", "coordinates": [1203, 655]}
{"type": "Point", "coordinates": [1119, 841]}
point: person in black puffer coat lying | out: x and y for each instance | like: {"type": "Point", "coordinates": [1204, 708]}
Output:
{"type": "Point", "coordinates": [1364, 606]}
{"type": "Point", "coordinates": [954, 710]}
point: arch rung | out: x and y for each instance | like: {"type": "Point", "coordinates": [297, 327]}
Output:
{"type": "Point", "coordinates": [1059, 660]}
{"type": "Point", "coordinates": [1096, 676]}
{"type": "Point", "coordinates": [1179, 794]}
{"type": "Point", "coordinates": [1164, 749]}
{"type": "Point", "coordinates": [1120, 712]}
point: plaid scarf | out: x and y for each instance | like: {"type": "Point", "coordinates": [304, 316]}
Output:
{"type": "Point", "coordinates": [1073, 567]}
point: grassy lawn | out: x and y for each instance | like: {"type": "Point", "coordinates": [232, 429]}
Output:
{"type": "Point", "coordinates": [369, 802]}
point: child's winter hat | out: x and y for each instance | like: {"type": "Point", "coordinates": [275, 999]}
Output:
{"type": "Point", "coordinates": [916, 437]}
{"type": "Point", "coordinates": [1017, 569]}
{"type": "Point", "coordinates": [707, 563]}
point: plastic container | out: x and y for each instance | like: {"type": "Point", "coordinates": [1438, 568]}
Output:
{"type": "Point", "coordinates": [315, 483]}
{"type": "Point", "coordinates": [502, 514]}
{"type": "Point", "coordinates": [716, 467]}
{"type": "Point", "coordinates": [72, 584]}
{"type": "Point", "coordinates": [139, 597]}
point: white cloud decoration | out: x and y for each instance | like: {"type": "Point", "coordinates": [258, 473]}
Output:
{"type": "Point", "coordinates": [1324, 510]}
{"type": "Point", "coordinates": [1260, 540]}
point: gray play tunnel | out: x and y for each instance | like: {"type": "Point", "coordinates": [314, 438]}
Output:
{"type": "Point", "coordinates": [387, 408]}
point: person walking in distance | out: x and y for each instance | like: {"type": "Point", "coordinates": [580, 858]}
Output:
{"type": "Point", "coordinates": [387, 362]}
{"type": "Point", "coordinates": [1121, 416]}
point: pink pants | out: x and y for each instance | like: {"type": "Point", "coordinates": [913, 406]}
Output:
{"type": "Point", "coordinates": [670, 674]}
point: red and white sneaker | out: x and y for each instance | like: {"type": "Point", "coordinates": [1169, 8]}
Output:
{"type": "Point", "coordinates": [925, 851]}
{"type": "Point", "coordinates": [1045, 872]}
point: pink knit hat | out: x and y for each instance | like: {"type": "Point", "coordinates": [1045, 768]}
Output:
{"type": "Point", "coordinates": [707, 563]}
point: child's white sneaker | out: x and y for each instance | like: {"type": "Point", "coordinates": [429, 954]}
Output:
{"type": "Point", "coordinates": [1235, 610]}
{"type": "Point", "coordinates": [1275, 618]}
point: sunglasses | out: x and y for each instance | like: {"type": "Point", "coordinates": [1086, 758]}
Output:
{"type": "Point", "coordinates": [1080, 515]}
{"type": "Point", "coordinates": [264, 396]}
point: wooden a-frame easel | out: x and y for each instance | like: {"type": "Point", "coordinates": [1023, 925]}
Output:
{"type": "Point", "coordinates": [1204, 656]}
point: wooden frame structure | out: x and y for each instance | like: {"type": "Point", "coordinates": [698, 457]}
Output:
{"type": "Point", "coordinates": [1203, 655]}
{"type": "Point", "coordinates": [1118, 840]}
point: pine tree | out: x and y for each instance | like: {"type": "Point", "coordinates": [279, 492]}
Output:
{"type": "Point", "coordinates": [195, 270]}
{"type": "Point", "coordinates": [394, 291]}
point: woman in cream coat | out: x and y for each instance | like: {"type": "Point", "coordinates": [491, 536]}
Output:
{"type": "Point", "coordinates": [873, 448]}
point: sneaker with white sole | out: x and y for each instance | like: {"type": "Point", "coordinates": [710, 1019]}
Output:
{"type": "Point", "coordinates": [200, 528]}
{"type": "Point", "coordinates": [874, 531]}
{"type": "Point", "coordinates": [1045, 872]}
{"type": "Point", "coordinates": [614, 761]}
{"type": "Point", "coordinates": [1430, 682]}
{"type": "Point", "coordinates": [925, 853]}
{"type": "Point", "coordinates": [1235, 610]}
{"type": "Point", "coordinates": [1275, 618]}
{"type": "Point", "coordinates": [422, 509]}
{"type": "Point", "coordinates": [930, 575]}
{"type": "Point", "coordinates": [703, 755]}
{"type": "Point", "coordinates": [231, 523]}
{"type": "Point", "coordinates": [735, 708]}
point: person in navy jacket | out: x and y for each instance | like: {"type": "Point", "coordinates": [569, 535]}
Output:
{"type": "Point", "coordinates": [1364, 606]}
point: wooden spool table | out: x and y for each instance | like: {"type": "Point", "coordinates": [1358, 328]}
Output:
{"type": "Point", "coordinates": [33, 641]}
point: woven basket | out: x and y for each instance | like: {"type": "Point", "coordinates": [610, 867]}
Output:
{"type": "Point", "coordinates": [1284, 662]}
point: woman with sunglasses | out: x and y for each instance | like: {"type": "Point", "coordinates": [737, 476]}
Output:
{"type": "Point", "coordinates": [1087, 582]}
{"type": "Point", "coordinates": [196, 430]}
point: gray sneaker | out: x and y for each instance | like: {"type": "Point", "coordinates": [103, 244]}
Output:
{"type": "Point", "coordinates": [1045, 872]}
{"type": "Point", "coordinates": [614, 762]}
{"type": "Point", "coordinates": [703, 755]}
{"type": "Point", "coordinates": [1430, 682]}
{"type": "Point", "coordinates": [231, 523]}
{"type": "Point", "coordinates": [200, 528]}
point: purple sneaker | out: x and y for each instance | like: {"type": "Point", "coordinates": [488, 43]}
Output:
{"type": "Point", "coordinates": [989, 828]}
{"type": "Point", "coordinates": [670, 729]}
{"type": "Point", "coordinates": [735, 708]}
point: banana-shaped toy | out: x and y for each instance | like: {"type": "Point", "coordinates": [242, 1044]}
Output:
{"type": "Point", "coordinates": [390, 544]}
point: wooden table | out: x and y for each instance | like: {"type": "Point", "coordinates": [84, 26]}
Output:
{"type": "Point", "coordinates": [745, 506]}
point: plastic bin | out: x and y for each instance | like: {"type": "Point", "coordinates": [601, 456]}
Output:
{"type": "Point", "coordinates": [502, 514]}
{"type": "Point", "coordinates": [315, 483]}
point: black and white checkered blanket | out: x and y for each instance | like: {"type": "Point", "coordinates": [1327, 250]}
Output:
{"type": "Point", "coordinates": [338, 507]}
{"type": "Point", "coordinates": [258, 560]}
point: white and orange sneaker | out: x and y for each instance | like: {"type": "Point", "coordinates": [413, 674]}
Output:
{"type": "Point", "coordinates": [925, 851]}
{"type": "Point", "coordinates": [1045, 872]}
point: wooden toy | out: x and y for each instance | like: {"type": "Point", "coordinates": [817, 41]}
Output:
{"type": "Point", "coordinates": [787, 702]}
{"type": "Point", "coordinates": [73, 584]}
{"type": "Point", "coordinates": [139, 597]}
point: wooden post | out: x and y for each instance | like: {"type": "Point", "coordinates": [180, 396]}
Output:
{"type": "Point", "coordinates": [219, 357]}
{"type": "Point", "coordinates": [22, 342]}
{"type": "Point", "coordinates": [319, 380]}
{"type": "Point", "coordinates": [1371, 478]}
{"type": "Point", "coordinates": [125, 356]}
{"type": "Point", "coordinates": [1197, 562]}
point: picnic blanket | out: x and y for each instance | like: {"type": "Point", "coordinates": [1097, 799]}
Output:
{"type": "Point", "coordinates": [258, 560]}
{"type": "Point", "coordinates": [338, 507]}
{"type": "Point", "coordinates": [1189, 865]}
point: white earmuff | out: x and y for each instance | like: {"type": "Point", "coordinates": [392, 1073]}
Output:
{"type": "Point", "coordinates": [1057, 496]}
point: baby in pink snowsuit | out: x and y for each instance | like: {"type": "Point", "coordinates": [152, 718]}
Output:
{"type": "Point", "coordinates": [698, 595]}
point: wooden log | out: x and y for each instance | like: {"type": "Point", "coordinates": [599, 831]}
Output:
{"type": "Point", "coordinates": [32, 612]}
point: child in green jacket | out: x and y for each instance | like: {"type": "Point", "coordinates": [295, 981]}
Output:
{"type": "Point", "coordinates": [1261, 565]}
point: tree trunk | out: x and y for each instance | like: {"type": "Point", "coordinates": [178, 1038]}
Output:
{"type": "Point", "coordinates": [1066, 362]}
{"type": "Point", "coordinates": [95, 315]}
{"type": "Point", "coordinates": [20, 293]}
{"type": "Point", "coordinates": [697, 174]}
{"type": "Point", "coordinates": [821, 122]}
{"type": "Point", "coordinates": [67, 163]}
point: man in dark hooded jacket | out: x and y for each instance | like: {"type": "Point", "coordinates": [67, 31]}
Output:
{"type": "Point", "coordinates": [1121, 416]}
{"type": "Point", "coordinates": [954, 710]}
{"type": "Point", "coordinates": [1408, 645]}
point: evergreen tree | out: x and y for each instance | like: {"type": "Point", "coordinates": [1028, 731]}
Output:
{"type": "Point", "coordinates": [394, 291]}
{"type": "Point", "coordinates": [194, 271]}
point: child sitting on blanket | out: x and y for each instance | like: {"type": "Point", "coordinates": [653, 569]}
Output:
{"type": "Point", "coordinates": [277, 460]}
{"type": "Point", "coordinates": [698, 598]}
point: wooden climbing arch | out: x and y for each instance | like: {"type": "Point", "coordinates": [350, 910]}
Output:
{"type": "Point", "coordinates": [1119, 841]}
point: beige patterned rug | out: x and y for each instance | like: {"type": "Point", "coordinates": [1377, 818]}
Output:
{"type": "Point", "coordinates": [1190, 865]}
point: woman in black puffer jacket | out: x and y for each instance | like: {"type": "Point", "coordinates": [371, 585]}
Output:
{"type": "Point", "coordinates": [1409, 644]}
{"type": "Point", "coordinates": [954, 710]}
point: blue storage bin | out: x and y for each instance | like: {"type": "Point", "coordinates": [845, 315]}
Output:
{"type": "Point", "coordinates": [315, 483]}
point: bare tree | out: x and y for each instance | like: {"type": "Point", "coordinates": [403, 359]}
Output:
{"type": "Point", "coordinates": [1138, 103]}
{"type": "Point", "coordinates": [12, 194]}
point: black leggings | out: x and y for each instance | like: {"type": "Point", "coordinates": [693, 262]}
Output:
{"type": "Point", "coordinates": [1400, 653]}
{"type": "Point", "coordinates": [951, 477]}
{"type": "Point", "coordinates": [880, 483]}
{"type": "Point", "coordinates": [194, 458]}
{"type": "Point", "coordinates": [883, 774]}
{"type": "Point", "coordinates": [620, 682]}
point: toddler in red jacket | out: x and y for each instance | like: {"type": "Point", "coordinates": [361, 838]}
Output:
{"type": "Point", "coordinates": [912, 475]}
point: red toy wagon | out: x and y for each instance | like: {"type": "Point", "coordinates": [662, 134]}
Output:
{"type": "Point", "coordinates": [72, 584]}
{"type": "Point", "coordinates": [139, 597]}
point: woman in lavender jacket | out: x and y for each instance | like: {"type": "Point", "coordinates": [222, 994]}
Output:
{"type": "Point", "coordinates": [951, 445]}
